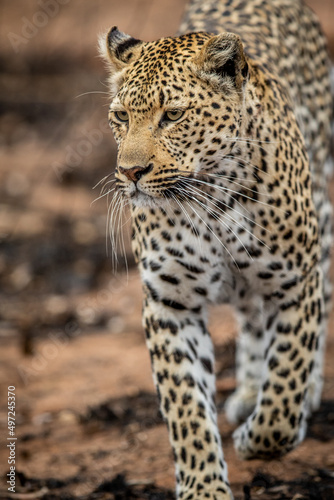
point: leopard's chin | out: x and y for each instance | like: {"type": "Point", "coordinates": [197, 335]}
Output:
{"type": "Point", "coordinates": [143, 200]}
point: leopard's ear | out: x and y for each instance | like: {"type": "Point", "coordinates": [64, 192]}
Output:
{"type": "Point", "coordinates": [222, 60]}
{"type": "Point", "coordinates": [119, 49]}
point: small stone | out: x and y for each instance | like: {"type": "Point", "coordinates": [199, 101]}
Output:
{"type": "Point", "coordinates": [21, 277]}
{"type": "Point", "coordinates": [67, 417]}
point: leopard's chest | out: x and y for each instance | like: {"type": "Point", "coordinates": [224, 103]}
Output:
{"type": "Point", "coordinates": [194, 257]}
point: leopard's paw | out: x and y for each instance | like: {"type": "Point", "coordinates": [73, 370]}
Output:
{"type": "Point", "coordinates": [243, 443]}
{"type": "Point", "coordinates": [314, 394]}
{"type": "Point", "coordinates": [253, 440]}
{"type": "Point", "coordinates": [240, 405]}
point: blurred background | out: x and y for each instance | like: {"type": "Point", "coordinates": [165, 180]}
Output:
{"type": "Point", "coordinates": [70, 330]}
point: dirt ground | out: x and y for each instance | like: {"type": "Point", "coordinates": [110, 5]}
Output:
{"type": "Point", "coordinates": [87, 420]}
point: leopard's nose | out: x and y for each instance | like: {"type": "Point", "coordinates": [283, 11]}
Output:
{"type": "Point", "coordinates": [135, 173]}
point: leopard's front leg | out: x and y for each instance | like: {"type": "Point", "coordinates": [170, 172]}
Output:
{"type": "Point", "coordinates": [183, 366]}
{"type": "Point", "coordinates": [278, 422]}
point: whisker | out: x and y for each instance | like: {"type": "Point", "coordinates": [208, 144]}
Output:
{"type": "Point", "coordinates": [191, 222]}
{"type": "Point", "coordinates": [237, 160]}
{"type": "Point", "coordinates": [236, 183]}
{"type": "Point", "coordinates": [218, 219]}
{"type": "Point", "coordinates": [105, 186]}
{"type": "Point", "coordinates": [91, 92]}
{"type": "Point", "coordinates": [104, 85]}
{"type": "Point", "coordinates": [103, 195]}
{"type": "Point", "coordinates": [221, 222]}
{"type": "Point", "coordinates": [225, 189]}
{"type": "Point", "coordinates": [227, 177]}
{"type": "Point", "coordinates": [109, 232]}
{"type": "Point", "coordinates": [192, 178]}
{"type": "Point", "coordinates": [122, 241]}
{"type": "Point", "coordinates": [212, 232]}
{"type": "Point", "coordinates": [258, 141]}
{"type": "Point", "coordinates": [245, 139]}
{"type": "Point", "coordinates": [226, 205]}
{"type": "Point", "coordinates": [103, 179]}
{"type": "Point", "coordinates": [115, 235]}
{"type": "Point", "coordinates": [196, 191]}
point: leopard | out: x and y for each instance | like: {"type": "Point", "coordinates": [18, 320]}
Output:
{"type": "Point", "coordinates": [224, 160]}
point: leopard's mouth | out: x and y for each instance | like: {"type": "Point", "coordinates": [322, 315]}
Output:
{"type": "Point", "coordinates": [143, 196]}
{"type": "Point", "coordinates": [143, 200]}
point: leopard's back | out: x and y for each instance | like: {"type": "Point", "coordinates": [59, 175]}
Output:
{"type": "Point", "coordinates": [285, 38]}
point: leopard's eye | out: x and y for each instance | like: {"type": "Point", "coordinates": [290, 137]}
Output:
{"type": "Point", "coordinates": [174, 115]}
{"type": "Point", "coordinates": [122, 116]}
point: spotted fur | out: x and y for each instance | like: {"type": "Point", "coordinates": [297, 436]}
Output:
{"type": "Point", "coordinates": [224, 138]}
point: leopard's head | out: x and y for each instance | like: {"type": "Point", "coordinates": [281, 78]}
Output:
{"type": "Point", "coordinates": [176, 108]}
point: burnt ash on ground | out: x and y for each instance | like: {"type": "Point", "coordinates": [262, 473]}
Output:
{"type": "Point", "coordinates": [318, 486]}
{"type": "Point", "coordinates": [142, 409]}
{"type": "Point", "coordinates": [321, 423]}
